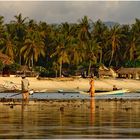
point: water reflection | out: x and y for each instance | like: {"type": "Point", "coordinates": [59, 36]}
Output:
{"type": "Point", "coordinates": [92, 110]}
{"type": "Point", "coordinates": [71, 119]}
{"type": "Point", "coordinates": [24, 105]}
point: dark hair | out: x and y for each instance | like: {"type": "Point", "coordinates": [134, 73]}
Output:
{"type": "Point", "coordinates": [92, 76]}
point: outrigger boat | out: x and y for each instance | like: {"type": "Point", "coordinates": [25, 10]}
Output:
{"type": "Point", "coordinates": [115, 92]}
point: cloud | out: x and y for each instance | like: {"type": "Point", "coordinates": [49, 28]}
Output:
{"type": "Point", "coordinates": [71, 11]}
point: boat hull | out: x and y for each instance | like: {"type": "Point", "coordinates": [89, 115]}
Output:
{"type": "Point", "coordinates": [116, 92]}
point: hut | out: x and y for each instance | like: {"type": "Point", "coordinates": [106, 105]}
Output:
{"type": "Point", "coordinates": [106, 72]}
{"type": "Point", "coordinates": [25, 70]}
{"type": "Point", "coordinates": [130, 73]}
{"type": "Point", "coordinates": [5, 60]}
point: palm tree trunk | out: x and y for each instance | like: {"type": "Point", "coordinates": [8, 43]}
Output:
{"type": "Point", "coordinates": [60, 69]}
{"type": "Point", "coordinates": [19, 59]}
{"type": "Point", "coordinates": [113, 49]}
{"type": "Point", "coordinates": [29, 64]}
{"type": "Point", "coordinates": [89, 68]}
{"type": "Point", "coordinates": [101, 55]}
{"type": "Point", "coordinates": [55, 73]}
{"type": "Point", "coordinates": [111, 58]}
{"type": "Point", "coordinates": [32, 61]}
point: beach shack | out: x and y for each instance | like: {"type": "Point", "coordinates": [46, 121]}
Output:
{"type": "Point", "coordinates": [105, 72]}
{"type": "Point", "coordinates": [6, 61]}
{"type": "Point", "coordinates": [130, 73]}
{"type": "Point", "coordinates": [25, 70]}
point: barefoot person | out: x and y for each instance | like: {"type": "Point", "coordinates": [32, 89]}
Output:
{"type": "Point", "coordinates": [92, 88]}
{"type": "Point", "coordinates": [25, 88]}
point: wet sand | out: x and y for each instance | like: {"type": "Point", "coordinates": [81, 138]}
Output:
{"type": "Point", "coordinates": [72, 84]}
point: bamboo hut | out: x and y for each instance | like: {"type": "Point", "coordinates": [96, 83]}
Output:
{"type": "Point", "coordinates": [130, 73]}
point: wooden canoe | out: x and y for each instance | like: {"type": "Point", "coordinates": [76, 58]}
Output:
{"type": "Point", "coordinates": [115, 92]}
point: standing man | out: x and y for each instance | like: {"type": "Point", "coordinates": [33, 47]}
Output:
{"type": "Point", "coordinates": [25, 88]}
{"type": "Point", "coordinates": [92, 88]}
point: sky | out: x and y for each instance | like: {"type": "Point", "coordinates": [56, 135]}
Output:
{"type": "Point", "coordinates": [123, 12]}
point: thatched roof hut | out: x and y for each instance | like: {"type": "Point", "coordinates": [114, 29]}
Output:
{"type": "Point", "coordinates": [5, 59]}
{"type": "Point", "coordinates": [106, 72]}
{"type": "Point", "coordinates": [25, 70]}
{"type": "Point", "coordinates": [103, 67]}
{"type": "Point", "coordinates": [129, 72]}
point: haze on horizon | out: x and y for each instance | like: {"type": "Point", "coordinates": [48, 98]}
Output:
{"type": "Point", "coordinates": [123, 12]}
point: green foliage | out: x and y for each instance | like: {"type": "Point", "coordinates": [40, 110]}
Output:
{"type": "Point", "coordinates": [1, 66]}
{"type": "Point", "coordinates": [47, 74]}
{"type": "Point", "coordinates": [66, 48]}
{"type": "Point", "coordinates": [43, 72]}
{"type": "Point", "coordinates": [14, 67]}
{"type": "Point", "coordinates": [133, 64]}
{"type": "Point", "coordinates": [40, 69]}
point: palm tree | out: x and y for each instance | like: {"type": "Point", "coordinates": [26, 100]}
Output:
{"type": "Point", "coordinates": [1, 30]}
{"type": "Point", "coordinates": [44, 29]}
{"type": "Point", "coordinates": [8, 47]}
{"type": "Point", "coordinates": [92, 52]}
{"type": "Point", "coordinates": [20, 33]}
{"type": "Point", "coordinates": [99, 31]}
{"type": "Point", "coordinates": [136, 27]}
{"type": "Point", "coordinates": [7, 41]}
{"type": "Point", "coordinates": [132, 45]}
{"type": "Point", "coordinates": [33, 48]}
{"type": "Point", "coordinates": [19, 22]}
{"type": "Point", "coordinates": [84, 27]}
{"type": "Point", "coordinates": [76, 53]}
{"type": "Point", "coordinates": [99, 34]}
{"type": "Point", "coordinates": [66, 45]}
{"type": "Point", "coordinates": [1, 25]}
{"type": "Point", "coordinates": [61, 52]}
{"type": "Point", "coordinates": [115, 40]}
{"type": "Point", "coordinates": [75, 50]}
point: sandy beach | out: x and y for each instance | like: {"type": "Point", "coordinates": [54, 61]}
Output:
{"type": "Point", "coordinates": [69, 84]}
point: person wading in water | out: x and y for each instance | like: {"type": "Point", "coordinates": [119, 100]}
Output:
{"type": "Point", "coordinates": [92, 88]}
{"type": "Point", "coordinates": [25, 88]}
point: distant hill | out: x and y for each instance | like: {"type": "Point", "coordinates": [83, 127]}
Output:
{"type": "Point", "coordinates": [110, 23]}
{"type": "Point", "coordinates": [107, 23]}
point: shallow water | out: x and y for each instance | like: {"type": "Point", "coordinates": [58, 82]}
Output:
{"type": "Point", "coordinates": [90, 118]}
{"type": "Point", "coordinates": [68, 96]}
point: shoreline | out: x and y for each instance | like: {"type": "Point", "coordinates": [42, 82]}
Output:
{"type": "Point", "coordinates": [68, 84]}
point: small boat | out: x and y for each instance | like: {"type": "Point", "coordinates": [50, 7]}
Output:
{"type": "Point", "coordinates": [115, 92]}
{"type": "Point", "coordinates": [65, 91]}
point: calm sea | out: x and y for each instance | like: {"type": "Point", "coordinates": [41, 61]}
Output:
{"type": "Point", "coordinates": [78, 117]}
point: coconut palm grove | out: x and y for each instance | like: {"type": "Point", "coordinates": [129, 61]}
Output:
{"type": "Point", "coordinates": [56, 49]}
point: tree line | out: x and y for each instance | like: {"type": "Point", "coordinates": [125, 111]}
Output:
{"type": "Point", "coordinates": [70, 46]}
